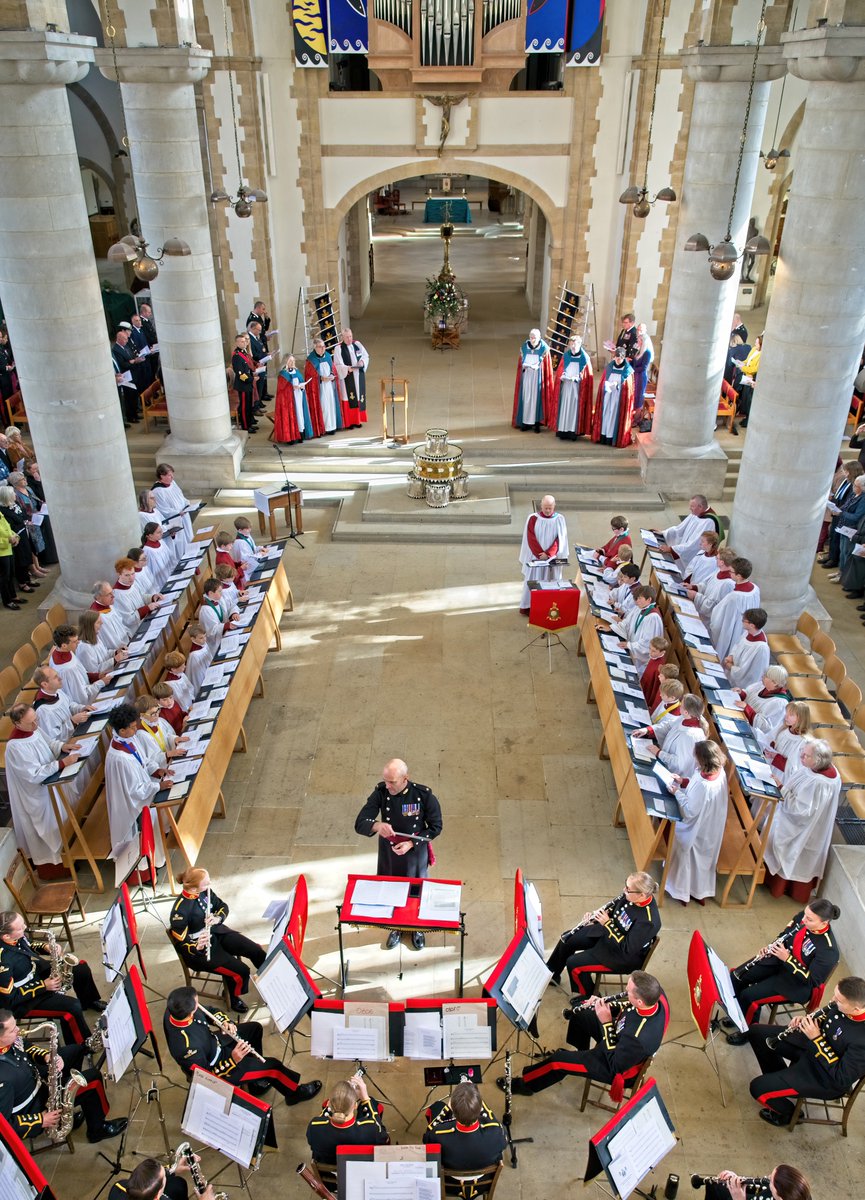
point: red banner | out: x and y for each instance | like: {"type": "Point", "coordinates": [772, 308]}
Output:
{"type": "Point", "coordinates": [702, 989]}
{"type": "Point", "coordinates": [554, 610]}
{"type": "Point", "coordinates": [296, 929]}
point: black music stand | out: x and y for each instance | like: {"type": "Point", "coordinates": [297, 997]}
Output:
{"type": "Point", "coordinates": [227, 1101]}
{"type": "Point", "coordinates": [289, 487]}
{"type": "Point", "coordinates": [635, 1155]}
{"type": "Point", "coordinates": [18, 1167]}
{"type": "Point", "coordinates": [520, 960]}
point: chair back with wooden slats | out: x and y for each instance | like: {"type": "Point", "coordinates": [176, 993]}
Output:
{"type": "Point", "coordinates": [836, 1112]}
{"type": "Point", "coordinates": [17, 412]}
{"type": "Point", "coordinates": [56, 615]}
{"type": "Point", "coordinates": [632, 1085]}
{"type": "Point", "coordinates": [477, 1184]}
{"type": "Point", "coordinates": [25, 662]}
{"type": "Point", "coordinates": [809, 626]}
{"type": "Point", "coordinates": [36, 900]}
{"type": "Point", "coordinates": [42, 639]}
{"type": "Point", "coordinates": [850, 699]}
{"type": "Point", "coordinates": [823, 645]}
{"type": "Point", "coordinates": [10, 684]}
{"type": "Point", "coordinates": [834, 670]}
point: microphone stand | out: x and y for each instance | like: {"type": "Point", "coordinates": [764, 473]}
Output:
{"type": "Point", "coordinates": [393, 443]}
{"type": "Point", "coordinates": [288, 487]}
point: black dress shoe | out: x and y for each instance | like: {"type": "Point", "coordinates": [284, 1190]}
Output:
{"type": "Point", "coordinates": [392, 939]}
{"type": "Point", "coordinates": [518, 1087]}
{"type": "Point", "coordinates": [98, 1005]}
{"type": "Point", "coordinates": [773, 1118]}
{"type": "Point", "coordinates": [77, 1119]}
{"type": "Point", "coordinates": [109, 1129]}
{"type": "Point", "coordinates": [15, 607]}
{"type": "Point", "coordinates": [737, 1039]}
{"type": "Point", "coordinates": [259, 1087]}
{"type": "Point", "coordinates": [860, 607]}
{"type": "Point", "coordinates": [857, 595]}
{"type": "Point", "coordinates": [239, 1006]}
{"type": "Point", "coordinates": [306, 1091]}
{"type": "Point", "coordinates": [418, 940]}
{"type": "Point", "coordinates": [829, 565]}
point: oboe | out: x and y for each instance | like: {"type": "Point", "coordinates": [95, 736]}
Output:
{"type": "Point", "coordinates": [820, 1016]}
{"type": "Point", "coordinates": [222, 1025]}
{"type": "Point", "coordinates": [317, 1186]}
{"type": "Point", "coordinates": [589, 918]}
{"type": "Point", "coordinates": [756, 1186]}
{"type": "Point", "coordinates": [785, 940]}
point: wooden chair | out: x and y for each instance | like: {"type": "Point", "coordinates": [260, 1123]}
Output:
{"type": "Point", "coordinates": [17, 412]}
{"type": "Point", "coordinates": [621, 976]}
{"type": "Point", "coordinates": [632, 1084]}
{"type": "Point", "coordinates": [792, 1010]}
{"type": "Point", "coordinates": [788, 643]}
{"type": "Point", "coordinates": [25, 662]}
{"type": "Point", "coordinates": [10, 683]}
{"type": "Point", "coordinates": [850, 699]}
{"type": "Point", "coordinates": [470, 1185]}
{"type": "Point", "coordinates": [727, 402]}
{"type": "Point", "coordinates": [37, 900]}
{"type": "Point", "coordinates": [836, 1112]}
{"type": "Point", "coordinates": [809, 687]}
{"type": "Point", "coordinates": [327, 1174]}
{"type": "Point", "coordinates": [154, 406]}
{"type": "Point", "coordinates": [855, 797]}
{"type": "Point", "coordinates": [42, 638]}
{"type": "Point", "coordinates": [56, 615]}
{"type": "Point", "coordinates": [201, 980]}
{"type": "Point", "coordinates": [851, 770]}
{"type": "Point", "coordinates": [842, 742]}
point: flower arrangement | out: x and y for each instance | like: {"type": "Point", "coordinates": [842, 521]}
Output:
{"type": "Point", "coordinates": [443, 298]}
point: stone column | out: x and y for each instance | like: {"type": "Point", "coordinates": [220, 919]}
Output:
{"type": "Point", "coordinates": [815, 329]}
{"type": "Point", "coordinates": [680, 455]}
{"type": "Point", "coordinates": [156, 84]}
{"type": "Point", "coordinates": [54, 311]}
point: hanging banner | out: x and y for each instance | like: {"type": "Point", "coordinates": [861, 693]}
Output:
{"type": "Point", "coordinates": [585, 33]}
{"type": "Point", "coordinates": [546, 22]}
{"type": "Point", "coordinates": [310, 37]}
{"type": "Point", "coordinates": [348, 26]}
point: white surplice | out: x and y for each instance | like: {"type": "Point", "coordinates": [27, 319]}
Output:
{"type": "Point", "coordinates": [638, 627]}
{"type": "Point", "coordinates": [181, 686]}
{"type": "Point", "coordinates": [55, 717]}
{"type": "Point", "coordinates": [711, 591]}
{"type": "Point", "coordinates": [799, 840]}
{"type": "Point", "coordinates": [726, 621]}
{"type": "Point", "coordinates": [29, 760]}
{"type": "Point", "coordinates": [684, 538]}
{"type": "Point", "coordinates": [697, 844]}
{"type": "Point", "coordinates": [677, 754]}
{"type": "Point", "coordinates": [170, 501]}
{"type": "Point", "coordinates": [76, 685]}
{"type": "Point", "coordinates": [750, 660]}
{"type": "Point", "coordinates": [128, 789]}
{"type": "Point", "coordinates": [546, 530]}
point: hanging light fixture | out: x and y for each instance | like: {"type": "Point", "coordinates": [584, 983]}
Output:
{"type": "Point", "coordinates": [241, 203]}
{"type": "Point", "coordinates": [770, 158]}
{"type": "Point", "coordinates": [724, 256]}
{"type": "Point", "coordinates": [639, 196]}
{"type": "Point", "coordinates": [132, 249]}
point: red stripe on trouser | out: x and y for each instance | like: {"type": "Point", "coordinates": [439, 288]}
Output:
{"type": "Point", "coordinates": [238, 984]}
{"type": "Point", "coordinates": [270, 1073]}
{"type": "Point", "coordinates": [577, 971]}
{"type": "Point", "coordinates": [56, 1015]}
{"type": "Point", "coordinates": [534, 1073]}
{"type": "Point", "coordinates": [96, 1086]}
{"type": "Point", "coordinates": [767, 1096]}
{"type": "Point", "coordinates": [755, 1007]}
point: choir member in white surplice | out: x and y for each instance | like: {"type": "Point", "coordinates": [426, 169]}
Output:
{"type": "Point", "coordinates": [172, 505]}
{"type": "Point", "coordinates": [199, 659]}
{"type": "Point", "coordinates": [798, 843]}
{"type": "Point", "coordinates": [725, 623]}
{"type": "Point", "coordinates": [764, 702]}
{"type": "Point", "coordinates": [704, 564]}
{"type": "Point", "coordinates": [784, 751]}
{"type": "Point", "coordinates": [545, 536]}
{"type": "Point", "coordinates": [684, 539]}
{"type": "Point", "coordinates": [244, 549]}
{"type": "Point", "coordinates": [95, 657]}
{"type": "Point", "coordinates": [129, 785]}
{"type": "Point", "coordinates": [676, 751]}
{"type": "Point", "coordinates": [32, 757]}
{"type": "Point", "coordinates": [130, 601]}
{"type": "Point", "coordinates": [697, 843]}
{"type": "Point", "coordinates": [640, 625]}
{"type": "Point", "coordinates": [750, 655]}
{"type": "Point", "coordinates": [214, 616]}
{"type": "Point", "coordinates": [81, 686]}
{"type": "Point", "coordinates": [114, 631]}
{"type": "Point", "coordinates": [706, 594]}
{"type": "Point", "coordinates": [155, 738]}
{"type": "Point", "coordinates": [58, 715]}
{"type": "Point", "coordinates": [161, 558]}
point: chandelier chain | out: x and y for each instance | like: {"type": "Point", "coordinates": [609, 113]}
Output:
{"type": "Point", "coordinates": [761, 28]}
{"type": "Point", "coordinates": [655, 93]}
{"type": "Point", "coordinates": [234, 120]}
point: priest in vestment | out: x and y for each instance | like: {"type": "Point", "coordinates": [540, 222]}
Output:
{"type": "Point", "coordinates": [321, 388]}
{"type": "Point", "coordinates": [545, 536]}
{"type": "Point", "coordinates": [573, 392]}
{"type": "Point", "coordinates": [292, 420]}
{"type": "Point", "coordinates": [32, 757]}
{"type": "Point", "coordinates": [351, 362]}
{"type": "Point", "coordinates": [614, 406]}
{"type": "Point", "coordinates": [725, 623]}
{"type": "Point", "coordinates": [129, 786]}
{"type": "Point", "coordinates": [798, 843]}
{"type": "Point", "coordinates": [533, 389]}
{"type": "Point", "coordinates": [703, 799]}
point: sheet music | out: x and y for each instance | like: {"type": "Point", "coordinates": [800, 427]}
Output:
{"type": "Point", "coordinates": [14, 1184]}
{"type": "Point", "coordinates": [381, 892]}
{"type": "Point", "coordinates": [233, 1132]}
{"type": "Point", "coordinates": [639, 1146]}
{"type": "Point", "coordinates": [280, 912]}
{"type": "Point", "coordinates": [114, 948]}
{"type": "Point", "coordinates": [466, 1041]}
{"type": "Point", "coordinates": [121, 1033]}
{"type": "Point", "coordinates": [351, 1043]}
{"type": "Point", "coordinates": [535, 918]}
{"type": "Point", "coordinates": [526, 983]}
{"type": "Point", "coordinates": [421, 1040]}
{"type": "Point", "coordinates": [439, 901]}
{"type": "Point", "coordinates": [323, 1025]}
{"type": "Point", "coordinates": [725, 986]}
{"type": "Point", "coordinates": [727, 698]}
{"type": "Point", "coordinates": [282, 991]}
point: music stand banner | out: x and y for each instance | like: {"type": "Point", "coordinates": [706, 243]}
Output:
{"type": "Point", "coordinates": [702, 989]}
{"type": "Point", "coordinates": [296, 929]}
{"type": "Point", "coordinates": [554, 610]}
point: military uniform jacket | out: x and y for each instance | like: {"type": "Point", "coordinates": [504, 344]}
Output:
{"type": "Point", "coordinates": [187, 922]}
{"type": "Point", "coordinates": [192, 1042]}
{"type": "Point", "coordinates": [415, 810]}
{"type": "Point", "coordinates": [244, 372]}
{"type": "Point", "coordinates": [627, 1040]}
{"type": "Point", "coordinates": [627, 934]}
{"type": "Point", "coordinates": [813, 956]}
{"type": "Point", "coordinates": [365, 1129]}
{"type": "Point", "coordinates": [22, 972]}
{"type": "Point", "coordinates": [467, 1147]}
{"type": "Point", "coordinates": [21, 1083]}
{"type": "Point", "coordinates": [834, 1061]}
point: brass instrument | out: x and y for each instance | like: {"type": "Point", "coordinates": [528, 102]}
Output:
{"type": "Point", "coordinates": [61, 964]}
{"type": "Point", "coordinates": [785, 940]}
{"type": "Point", "coordinates": [96, 1042]}
{"type": "Point", "coordinates": [184, 1151]}
{"type": "Point", "coordinates": [756, 1186]}
{"type": "Point", "coordinates": [314, 1182]}
{"type": "Point", "coordinates": [222, 1025]}
{"type": "Point", "coordinates": [820, 1016]}
{"type": "Point", "coordinates": [60, 1098]}
{"type": "Point", "coordinates": [591, 917]}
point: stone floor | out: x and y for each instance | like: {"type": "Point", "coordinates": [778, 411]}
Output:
{"type": "Point", "coordinates": [417, 650]}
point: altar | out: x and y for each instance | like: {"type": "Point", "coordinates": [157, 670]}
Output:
{"type": "Point", "coordinates": [457, 210]}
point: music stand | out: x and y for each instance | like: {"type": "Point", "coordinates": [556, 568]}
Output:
{"type": "Point", "coordinates": [424, 1040]}
{"type": "Point", "coordinates": [228, 1120]}
{"type": "Point", "coordinates": [376, 1162]}
{"type": "Point", "coordinates": [552, 610]}
{"type": "Point", "coordinates": [286, 988]}
{"type": "Point", "coordinates": [330, 1019]}
{"type": "Point", "coordinates": [289, 923]}
{"type": "Point", "coordinates": [517, 983]}
{"type": "Point", "coordinates": [22, 1178]}
{"type": "Point", "coordinates": [632, 1143]}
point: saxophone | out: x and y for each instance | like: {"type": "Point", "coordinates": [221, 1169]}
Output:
{"type": "Point", "coordinates": [60, 1098]}
{"type": "Point", "coordinates": [184, 1151]}
{"type": "Point", "coordinates": [61, 964]}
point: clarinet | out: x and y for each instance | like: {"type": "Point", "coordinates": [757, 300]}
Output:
{"type": "Point", "coordinates": [820, 1016]}
{"type": "Point", "coordinates": [507, 1115]}
{"type": "Point", "coordinates": [608, 908]}
{"type": "Point", "coordinates": [184, 1150]}
{"type": "Point", "coordinates": [619, 1001]}
{"type": "Point", "coordinates": [206, 930]}
{"type": "Point", "coordinates": [785, 940]}
{"type": "Point", "coordinates": [317, 1186]}
{"type": "Point", "coordinates": [756, 1186]}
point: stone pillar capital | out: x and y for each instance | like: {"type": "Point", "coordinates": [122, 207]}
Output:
{"type": "Point", "coordinates": [827, 54]}
{"type": "Point", "coordinates": [156, 64]}
{"type": "Point", "coordinates": [732, 64]}
{"type": "Point", "coordinates": [44, 59]}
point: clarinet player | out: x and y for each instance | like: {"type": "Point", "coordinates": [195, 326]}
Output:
{"type": "Point", "coordinates": [467, 1131]}
{"type": "Point", "coordinates": [348, 1118]}
{"type": "Point", "coordinates": [784, 1183]}
{"type": "Point", "coordinates": [151, 1181]}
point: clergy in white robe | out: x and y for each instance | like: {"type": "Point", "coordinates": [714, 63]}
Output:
{"type": "Point", "coordinates": [750, 655]}
{"type": "Point", "coordinates": [798, 843]}
{"type": "Point", "coordinates": [545, 536]}
{"type": "Point", "coordinates": [684, 539]}
{"type": "Point", "coordinates": [725, 623]}
{"type": "Point", "coordinates": [640, 625]}
{"type": "Point", "coordinates": [32, 757]}
{"type": "Point", "coordinates": [703, 799]}
{"type": "Point", "coordinates": [704, 564]}
{"type": "Point", "coordinates": [79, 686]}
{"type": "Point", "coordinates": [58, 715]}
{"type": "Point", "coordinates": [199, 659]}
{"type": "Point", "coordinates": [172, 504]}
{"type": "Point", "coordinates": [129, 785]}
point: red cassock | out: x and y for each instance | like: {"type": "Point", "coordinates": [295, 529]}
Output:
{"type": "Point", "coordinates": [626, 410]}
{"type": "Point", "coordinates": [313, 399]}
{"type": "Point", "coordinates": [650, 682]}
{"type": "Point", "coordinates": [547, 409]}
{"type": "Point", "coordinates": [285, 428]}
{"type": "Point", "coordinates": [587, 387]}
{"type": "Point", "coordinates": [224, 556]}
{"type": "Point", "coordinates": [609, 552]}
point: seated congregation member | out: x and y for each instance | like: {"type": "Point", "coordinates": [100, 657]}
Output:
{"type": "Point", "coordinates": [608, 553]}
{"type": "Point", "coordinates": [792, 968]}
{"type": "Point", "coordinates": [725, 624]}
{"type": "Point", "coordinates": [626, 1033]}
{"type": "Point", "coordinates": [225, 557]}
{"type": "Point", "coordinates": [681, 737]}
{"type": "Point", "coordinates": [467, 1131]}
{"type": "Point", "coordinates": [199, 658]}
{"type": "Point", "coordinates": [214, 616]}
{"type": "Point", "coordinates": [573, 391]}
{"type": "Point", "coordinates": [640, 625]}
{"type": "Point", "coordinates": [24, 1094]}
{"type": "Point", "coordinates": [114, 630]}
{"type": "Point", "coordinates": [707, 593]}
{"type": "Point", "coordinates": [533, 388]}
{"type": "Point", "coordinates": [703, 799]}
{"type": "Point", "coordinates": [181, 685]}
{"type": "Point", "coordinates": [81, 685]}
{"type": "Point", "coordinates": [683, 540]}
{"type": "Point", "coordinates": [348, 1118]}
{"type": "Point", "coordinates": [765, 702]}
{"type": "Point", "coordinates": [193, 1041]}
{"type": "Point", "coordinates": [29, 987]}
{"type": "Point", "coordinates": [151, 1181]}
{"type": "Point", "coordinates": [614, 405]}
{"type": "Point", "coordinates": [58, 715]}
{"type": "Point", "coordinates": [785, 1183]}
{"type": "Point", "coordinates": [750, 656]}
{"type": "Point", "coordinates": [785, 749]}
{"type": "Point", "coordinates": [798, 843]}
{"type": "Point", "coordinates": [31, 757]}
{"type": "Point", "coordinates": [650, 680]}
{"type": "Point", "coordinates": [199, 917]}
{"type": "Point", "coordinates": [169, 709]}
{"type": "Point", "coordinates": [615, 937]}
{"type": "Point", "coordinates": [704, 564]}
{"type": "Point", "coordinates": [545, 536]}
{"type": "Point", "coordinates": [95, 657]}
{"type": "Point", "coordinates": [822, 1058]}
{"type": "Point", "coordinates": [130, 787]}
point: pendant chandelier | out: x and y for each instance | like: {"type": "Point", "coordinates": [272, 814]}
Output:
{"type": "Point", "coordinates": [639, 196]}
{"type": "Point", "coordinates": [770, 158]}
{"type": "Point", "coordinates": [243, 201]}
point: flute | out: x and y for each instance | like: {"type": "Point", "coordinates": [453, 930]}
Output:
{"type": "Point", "coordinates": [785, 940]}
{"type": "Point", "coordinates": [222, 1025]}
{"type": "Point", "coordinates": [819, 1016]}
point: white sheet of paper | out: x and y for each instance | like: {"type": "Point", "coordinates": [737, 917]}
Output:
{"type": "Point", "coordinates": [380, 891]}
{"type": "Point", "coordinates": [233, 1133]}
{"type": "Point", "coordinates": [422, 1041]}
{"type": "Point", "coordinates": [467, 1042]}
{"type": "Point", "coordinates": [281, 991]}
{"type": "Point", "coordinates": [350, 1043]}
{"type": "Point", "coordinates": [322, 1026]}
{"type": "Point", "coordinates": [113, 937]}
{"type": "Point", "coordinates": [439, 901]}
{"type": "Point", "coordinates": [526, 983]}
{"type": "Point", "coordinates": [727, 698]}
{"type": "Point", "coordinates": [121, 1027]}
{"type": "Point", "coordinates": [725, 986]}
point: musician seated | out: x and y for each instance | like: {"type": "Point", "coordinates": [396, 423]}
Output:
{"type": "Point", "coordinates": [151, 1181]}
{"type": "Point", "coordinates": [614, 938]}
{"type": "Point", "coordinates": [24, 1091]}
{"type": "Point", "coordinates": [627, 1029]}
{"type": "Point", "coordinates": [821, 1056]}
{"type": "Point", "coordinates": [784, 1183]}
{"type": "Point", "coordinates": [198, 910]}
{"type": "Point", "coordinates": [800, 960]}
{"type": "Point", "coordinates": [233, 1053]}
{"type": "Point", "coordinates": [467, 1131]}
{"type": "Point", "coordinates": [348, 1118]}
{"type": "Point", "coordinates": [30, 987]}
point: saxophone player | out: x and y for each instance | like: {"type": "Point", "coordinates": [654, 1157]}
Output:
{"type": "Point", "coordinates": [784, 1183]}
{"type": "Point", "coordinates": [24, 1089]}
{"type": "Point", "coordinates": [614, 938]}
{"type": "Point", "coordinates": [347, 1118]}
{"type": "Point", "coordinates": [151, 1181]}
{"type": "Point", "coordinates": [30, 987]}
{"type": "Point", "coordinates": [467, 1131]}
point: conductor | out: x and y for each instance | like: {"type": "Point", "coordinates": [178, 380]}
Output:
{"type": "Point", "coordinates": [406, 816]}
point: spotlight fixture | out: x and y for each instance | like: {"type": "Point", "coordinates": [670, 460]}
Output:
{"type": "Point", "coordinates": [246, 196]}
{"type": "Point", "coordinates": [639, 196]}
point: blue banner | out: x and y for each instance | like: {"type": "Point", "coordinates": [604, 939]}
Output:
{"type": "Point", "coordinates": [585, 33]}
{"type": "Point", "coordinates": [348, 26]}
{"type": "Point", "coordinates": [310, 37]}
{"type": "Point", "coordinates": [546, 22]}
